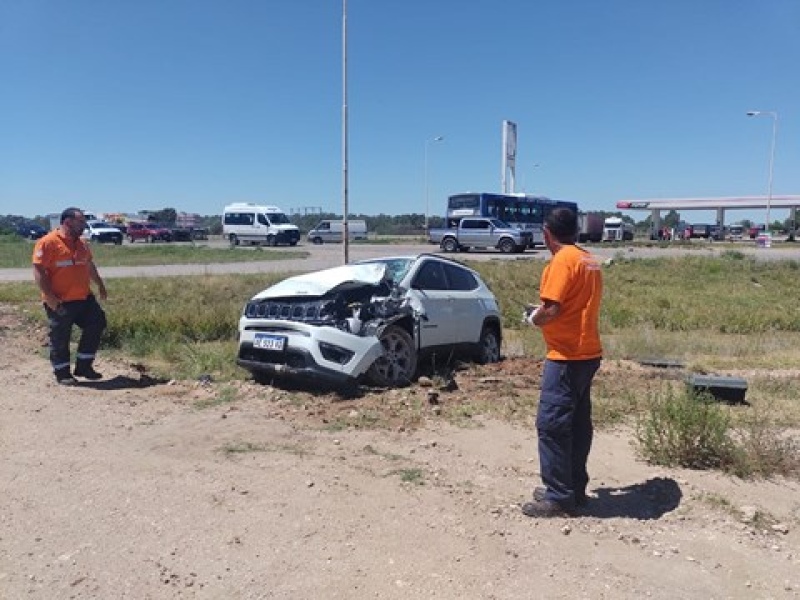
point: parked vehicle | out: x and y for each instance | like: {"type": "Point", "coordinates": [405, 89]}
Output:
{"type": "Point", "coordinates": [30, 230]}
{"type": "Point", "coordinates": [373, 319]}
{"type": "Point", "coordinates": [617, 230]}
{"type": "Point", "coordinates": [590, 227]}
{"type": "Point", "coordinates": [472, 232]}
{"type": "Point", "coordinates": [701, 230]}
{"type": "Point", "coordinates": [522, 211]}
{"type": "Point", "coordinates": [329, 230]}
{"type": "Point", "coordinates": [248, 223]}
{"type": "Point", "coordinates": [148, 232]}
{"type": "Point", "coordinates": [180, 234]}
{"type": "Point", "coordinates": [102, 233]}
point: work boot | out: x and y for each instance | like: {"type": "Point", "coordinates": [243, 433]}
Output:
{"type": "Point", "coordinates": [580, 500]}
{"type": "Point", "coordinates": [64, 377]}
{"type": "Point", "coordinates": [83, 368]}
{"type": "Point", "coordinates": [545, 509]}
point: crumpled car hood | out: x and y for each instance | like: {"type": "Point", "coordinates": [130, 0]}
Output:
{"type": "Point", "coordinates": [323, 282]}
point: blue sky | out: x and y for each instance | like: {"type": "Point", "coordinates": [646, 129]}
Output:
{"type": "Point", "coordinates": [120, 106]}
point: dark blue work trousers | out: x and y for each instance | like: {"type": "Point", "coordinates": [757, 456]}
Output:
{"type": "Point", "coordinates": [86, 314]}
{"type": "Point", "coordinates": [564, 424]}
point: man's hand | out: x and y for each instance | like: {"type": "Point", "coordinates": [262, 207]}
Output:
{"type": "Point", "coordinates": [101, 289]}
{"type": "Point", "coordinates": [52, 301]}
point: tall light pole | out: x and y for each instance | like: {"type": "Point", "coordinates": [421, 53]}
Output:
{"type": "Point", "coordinates": [774, 115]}
{"type": "Point", "coordinates": [438, 138]}
{"type": "Point", "coordinates": [345, 199]}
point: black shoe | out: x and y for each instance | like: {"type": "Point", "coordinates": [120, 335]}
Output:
{"type": "Point", "coordinates": [87, 372]}
{"type": "Point", "coordinates": [539, 492]}
{"type": "Point", "coordinates": [544, 509]}
{"type": "Point", "coordinates": [64, 377]}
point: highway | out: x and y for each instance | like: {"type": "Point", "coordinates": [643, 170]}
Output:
{"type": "Point", "coordinates": [331, 255]}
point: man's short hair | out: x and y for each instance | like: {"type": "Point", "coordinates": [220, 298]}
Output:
{"type": "Point", "coordinates": [562, 223]}
{"type": "Point", "coordinates": [70, 213]}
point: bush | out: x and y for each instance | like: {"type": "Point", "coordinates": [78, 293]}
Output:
{"type": "Point", "coordinates": [685, 429]}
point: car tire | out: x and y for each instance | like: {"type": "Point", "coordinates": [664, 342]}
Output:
{"type": "Point", "coordinates": [506, 246]}
{"type": "Point", "coordinates": [398, 364]}
{"type": "Point", "coordinates": [449, 245]}
{"type": "Point", "coordinates": [488, 346]}
{"type": "Point", "coordinates": [271, 240]}
{"type": "Point", "coordinates": [233, 240]}
{"type": "Point", "coordinates": [317, 241]}
{"type": "Point", "coordinates": [118, 241]}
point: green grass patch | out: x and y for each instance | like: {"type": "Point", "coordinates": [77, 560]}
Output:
{"type": "Point", "coordinates": [225, 395]}
{"type": "Point", "coordinates": [412, 475]}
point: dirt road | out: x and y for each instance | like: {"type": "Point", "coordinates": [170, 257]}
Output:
{"type": "Point", "coordinates": [132, 488]}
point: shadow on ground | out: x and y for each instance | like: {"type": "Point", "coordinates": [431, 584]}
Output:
{"type": "Point", "coordinates": [123, 382]}
{"type": "Point", "coordinates": [644, 501]}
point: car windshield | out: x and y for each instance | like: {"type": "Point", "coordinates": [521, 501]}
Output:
{"type": "Point", "coordinates": [99, 224]}
{"type": "Point", "coordinates": [396, 268]}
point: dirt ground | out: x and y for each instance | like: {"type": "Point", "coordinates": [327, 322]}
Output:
{"type": "Point", "coordinates": [135, 488]}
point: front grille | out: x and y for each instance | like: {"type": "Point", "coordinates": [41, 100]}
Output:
{"type": "Point", "coordinates": [287, 357]}
{"type": "Point", "coordinates": [306, 312]}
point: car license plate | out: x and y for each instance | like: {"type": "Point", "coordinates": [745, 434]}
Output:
{"type": "Point", "coordinates": [269, 342]}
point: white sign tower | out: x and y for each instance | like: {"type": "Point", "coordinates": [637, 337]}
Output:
{"type": "Point", "coordinates": [509, 156]}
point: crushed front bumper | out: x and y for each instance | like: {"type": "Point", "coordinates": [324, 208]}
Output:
{"type": "Point", "coordinates": [309, 351]}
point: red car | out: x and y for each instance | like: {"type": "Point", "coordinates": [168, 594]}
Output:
{"type": "Point", "coordinates": [148, 232]}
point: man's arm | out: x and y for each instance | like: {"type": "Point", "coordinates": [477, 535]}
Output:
{"type": "Point", "coordinates": [547, 312]}
{"type": "Point", "coordinates": [43, 281]}
{"type": "Point", "coordinates": [94, 274]}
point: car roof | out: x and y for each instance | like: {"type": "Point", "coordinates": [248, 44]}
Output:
{"type": "Point", "coordinates": [416, 257]}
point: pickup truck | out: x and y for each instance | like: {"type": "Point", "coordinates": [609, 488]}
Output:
{"type": "Point", "coordinates": [479, 232]}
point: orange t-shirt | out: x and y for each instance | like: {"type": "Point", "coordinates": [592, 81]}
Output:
{"type": "Point", "coordinates": [574, 280]}
{"type": "Point", "coordinates": [66, 263]}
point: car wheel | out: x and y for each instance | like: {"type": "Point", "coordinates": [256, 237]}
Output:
{"type": "Point", "coordinates": [271, 240]}
{"type": "Point", "coordinates": [506, 246]}
{"type": "Point", "coordinates": [317, 240]}
{"type": "Point", "coordinates": [118, 241]}
{"type": "Point", "coordinates": [233, 240]}
{"type": "Point", "coordinates": [398, 364]}
{"type": "Point", "coordinates": [450, 245]}
{"type": "Point", "coordinates": [489, 346]}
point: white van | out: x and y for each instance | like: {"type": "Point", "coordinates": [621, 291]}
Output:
{"type": "Point", "coordinates": [249, 223]}
{"type": "Point", "coordinates": [332, 231]}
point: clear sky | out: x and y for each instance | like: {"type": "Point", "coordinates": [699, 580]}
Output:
{"type": "Point", "coordinates": [118, 105]}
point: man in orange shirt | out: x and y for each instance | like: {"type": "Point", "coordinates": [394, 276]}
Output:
{"type": "Point", "coordinates": [63, 268]}
{"type": "Point", "coordinates": [570, 293]}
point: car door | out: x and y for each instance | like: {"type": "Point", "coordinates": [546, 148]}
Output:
{"type": "Point", "coordinates": [474, 232]}
{"type": "Point", "coordinates": [430, 288]}
{"type": "Point", "coordinates": [467, 306]}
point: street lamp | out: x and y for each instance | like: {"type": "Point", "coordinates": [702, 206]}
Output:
{"type": "Point", "coordinates": [774, 115]}
{"type": "Point", "coordinates": [438, 138]}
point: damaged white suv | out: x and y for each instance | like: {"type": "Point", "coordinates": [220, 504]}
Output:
{"type": "Point", "coordinates": [375, 319]}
